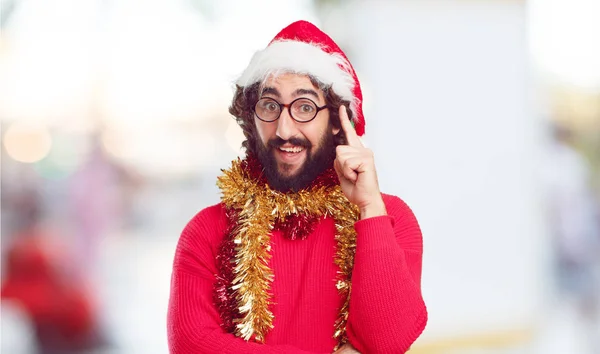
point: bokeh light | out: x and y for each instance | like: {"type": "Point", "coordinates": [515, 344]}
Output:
{"type": "Point", "coordinates": [27, 142]}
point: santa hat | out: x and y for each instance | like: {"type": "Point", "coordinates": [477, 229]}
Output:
{"type": "Point", "coordinates": [302, 48]}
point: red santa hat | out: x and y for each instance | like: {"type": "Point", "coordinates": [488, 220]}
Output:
{"type": "Point", "coordinates": [302, 48]}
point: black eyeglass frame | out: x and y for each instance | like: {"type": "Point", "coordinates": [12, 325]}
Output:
{"type": "Point", "coordinates": [289, 107]}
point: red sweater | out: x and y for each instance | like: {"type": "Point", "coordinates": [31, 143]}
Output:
{"type": "Point", "coordinates": [387, 313]}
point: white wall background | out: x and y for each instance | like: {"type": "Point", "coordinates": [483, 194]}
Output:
{"type": "Point", "coordinates": [450, 120]}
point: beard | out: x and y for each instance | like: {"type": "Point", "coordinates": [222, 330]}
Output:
{"type": "Point", "coordinates": [316, 162]}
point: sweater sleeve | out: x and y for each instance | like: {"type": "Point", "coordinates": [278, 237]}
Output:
{"type": "Point", "coordinates": [193, 322]}
{"type": "Point", "coordinates": [387, 312]}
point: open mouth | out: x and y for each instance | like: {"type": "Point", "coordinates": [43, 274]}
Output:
{"type": "Point", "coordinates": [292, 155]}
{"type": "Point", "coordinates": [293, 150]}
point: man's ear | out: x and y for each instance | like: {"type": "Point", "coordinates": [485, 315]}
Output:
{"type": "Point", "coordinates": [335, 130]}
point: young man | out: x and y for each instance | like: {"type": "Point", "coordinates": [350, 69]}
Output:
{"type": "Point", "coordinates": [304, 254]}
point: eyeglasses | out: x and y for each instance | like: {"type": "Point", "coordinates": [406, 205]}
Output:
{"type": "Point", "coordinates": [302, 110]}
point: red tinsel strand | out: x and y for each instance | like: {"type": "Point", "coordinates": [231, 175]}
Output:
{"type": "Point", "coordinates": [223, 295]}
{"type": "Point", "coordinates": [253, 168]}
{"type": "Point", "coordinates": [297, 226]}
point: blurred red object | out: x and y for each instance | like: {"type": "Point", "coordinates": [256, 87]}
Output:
{"type": "Point", "coordinates": [58, 305]}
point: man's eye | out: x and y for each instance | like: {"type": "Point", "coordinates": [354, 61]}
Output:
{"type": "Point", "coordinates": [271, 107]}
{"type": "Point", "coordinates": [306, 108]}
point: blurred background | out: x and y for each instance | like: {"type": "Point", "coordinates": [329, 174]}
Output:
{"type": "Point", "coordinates": [484, 117]}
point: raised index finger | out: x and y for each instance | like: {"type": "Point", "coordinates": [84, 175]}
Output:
{"type": "Point", "coordinates": [351, 136]}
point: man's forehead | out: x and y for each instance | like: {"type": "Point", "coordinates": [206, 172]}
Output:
{"type": "Point", "coordinates": [288, 83]}
{"type": "Point", "coordinates": [288, 80]}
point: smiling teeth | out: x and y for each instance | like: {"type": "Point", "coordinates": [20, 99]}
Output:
{"type": "Point", "coordinates": [294, 149]}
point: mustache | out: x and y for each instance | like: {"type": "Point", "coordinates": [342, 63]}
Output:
{"type": "Point", "coordinates": [277, 142]}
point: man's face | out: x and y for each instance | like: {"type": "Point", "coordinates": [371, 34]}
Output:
{"type": "Point", "coordinates": [292, 153]}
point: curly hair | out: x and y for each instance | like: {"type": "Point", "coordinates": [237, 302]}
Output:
{"type": "Point", "coordinates": [245, 98]}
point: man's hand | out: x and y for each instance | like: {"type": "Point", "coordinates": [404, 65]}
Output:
{"type": "Point", "coordinates": [355, 168]}
{"type": "Point", "coordinates": [347, 349]}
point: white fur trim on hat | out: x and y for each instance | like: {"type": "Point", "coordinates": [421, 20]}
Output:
{"type": "Point", "coordinates": [302, 58]}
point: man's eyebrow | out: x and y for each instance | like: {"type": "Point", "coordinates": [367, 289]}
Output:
{"type": "Point", "coordinates": [270, 90]}
{"type": "Point", "coordinates": [299, 92]}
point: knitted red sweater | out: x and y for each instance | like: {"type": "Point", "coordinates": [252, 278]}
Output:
{"type": "Point", "coordinates": [387, 312]}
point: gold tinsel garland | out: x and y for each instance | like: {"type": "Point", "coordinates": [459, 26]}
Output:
{"type": "Point", "coordinates": [259, 208]}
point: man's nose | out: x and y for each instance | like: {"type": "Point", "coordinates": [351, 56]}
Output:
{"type": "Point", "coordinates": [286, 125]}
